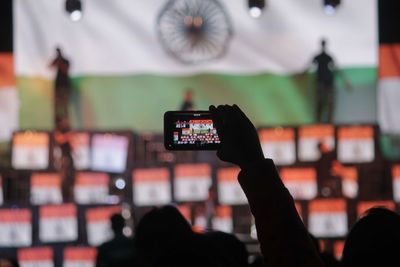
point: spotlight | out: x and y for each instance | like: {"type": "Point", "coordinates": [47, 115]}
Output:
{"type": "Point", "coordinates": [256, 8]}
{"type": "Point", "coordinates": [74, 9]}
{"type": "Point", "coordinates": [126, 213]}
{"type": "Point", "coordinates": [120, 183]}
{"type": "Point", "coordinates": [330, 6]}
{"type": "Point", "coordinates": [127, 231]}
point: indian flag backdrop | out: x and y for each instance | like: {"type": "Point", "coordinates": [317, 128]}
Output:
{"type": "Point", "coordinates": [8, 93]}
{"type": "Point", "coordinates": [124, 78]}
{"type": "Point", "coordinates": [389, 67]}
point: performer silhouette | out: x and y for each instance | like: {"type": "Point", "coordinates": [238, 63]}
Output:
{"type": "Point", "coordinates": [329, 181]}
{"type": "Point", "coordinates": [187, 103]}
{"type": "Point", "coordinates": [63, 136]}
{"type": "Point", "coordinates": [325, 85]}
{"type": "Point", "coordinates": [62, 85]}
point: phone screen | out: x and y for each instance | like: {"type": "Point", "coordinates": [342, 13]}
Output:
{"type": "Point", "coordinates": [190, 130]}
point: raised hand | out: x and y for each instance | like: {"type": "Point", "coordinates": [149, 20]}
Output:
{"type": "Point", "coordinates": [239, 138]}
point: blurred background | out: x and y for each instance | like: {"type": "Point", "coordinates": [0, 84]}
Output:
{"type": "Point", "coordinates": [84, 86]}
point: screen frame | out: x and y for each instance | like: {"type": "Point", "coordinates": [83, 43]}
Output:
{"type": "Point", "coordinates": [171, 116]}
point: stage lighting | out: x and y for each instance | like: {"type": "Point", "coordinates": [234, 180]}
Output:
{"type": "Point", "coordinates": [256, 8]}
{"type": "Point", "coordinates": [127, 231]}
{"type": "Point", "coordinates": [120, 183]}
{"type": "Point", "coordinates": [126, 213]}
{"type": "Point", "coordinates": [74, 9]}
{"type": "Point", "coordinates": [330, 6]}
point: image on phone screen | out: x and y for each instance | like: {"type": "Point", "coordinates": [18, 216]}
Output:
{"type": "Point", "coordinates": [190, 130]}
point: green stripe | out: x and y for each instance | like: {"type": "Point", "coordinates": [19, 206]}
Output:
{"type": "Point", "coordinates": [138, 102]}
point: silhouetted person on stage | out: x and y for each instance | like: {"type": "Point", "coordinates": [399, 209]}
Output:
{"type": "Point", "coordinates": [187, 104]}
{"type": "Point", "coordinates": [325, 85]}
{"type": "Point", "coordinates": [119, 251]}
{"type": "Point", "coordinates": [65, 162]}
{"type": "Point", "coordinates": [62, 86]}
{"type": "Point", "coordinates": [329, 184]}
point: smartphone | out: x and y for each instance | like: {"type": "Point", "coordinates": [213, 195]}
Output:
{"type": "Point", "coordinates": [190, 130]}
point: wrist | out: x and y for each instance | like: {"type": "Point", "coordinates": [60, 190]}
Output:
{"type": "Point", "coordinates": [253, 163]}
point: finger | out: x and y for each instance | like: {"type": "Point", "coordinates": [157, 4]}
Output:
{"type": "Point", "coordinates": [228, 115]}
{"type": "Point", "coordinates": [214, 113]}
{"type": "Point", "coordinates": [245, 121]}
{"type": "Point", "coordinates": [240, 112]}
{"type": "Point", "coordinates": [221, 113]}
{"type": "Point", "coordinates": [218, 116]}
{"type": "Point", "coordinates": [226, 121]}
{"type": "Point", "coordinates": [236, 107]}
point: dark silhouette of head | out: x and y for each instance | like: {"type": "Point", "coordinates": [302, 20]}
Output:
{"type": "Point", "coordinates": [212, 192]}
{"type": "Point", "coordinates": [323, 44]}
{"type": "Point", "coordinates": [188, 95]}
{"type": "Point", "coordinates": [323, 148]}
{"type": "Point", "coordinates": [329, 260]}
{"type": "Point", "coordinates": [374, 240]}
{"type": "Point", "coordinates": [229, 250]}
{"type": "Point", "coordinates": [192, 253]}
{"type": "Point", "coordinates": [117, 223]}
{"type": "Point", "coordinates": [58, 50]}
{"type": "Point", "coordinates": [258, 262]}
{"type": "Point", "coordinates": [161, 232]}
{"type": "Point", "coordinates": [62, 123]}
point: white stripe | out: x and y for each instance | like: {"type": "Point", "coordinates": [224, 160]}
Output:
{"type": "Point", "coordinates": [35, 263]}
{"type": "Point", "coordinates": [388, 105]}
{"type": "Point", "coordinates": [9, 106]}
{"type": "Point", "coordinates": [78, 263]}
{"type": "Point", "coordinates": [120, 37]}
{"type": "Point", "coordinates": [328, 224]}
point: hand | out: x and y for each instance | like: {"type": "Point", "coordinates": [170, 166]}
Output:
{"type": "Point", "coordinates": [239, 138]}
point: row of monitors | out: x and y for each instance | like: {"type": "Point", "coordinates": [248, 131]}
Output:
{"type": "Point", "coordinates": [186, 183]}
{"type": "Point", "coordinates": [68, 223]}
{"type": "Point", "coordinates": [72, 256]}
{"type": "Point", "coordinates": [286, 146]}
{"type": "Point", "coordinates": [100, 151]}
{"type": "Point", "coordinates": [48, 256]}
{"type": "Point", "coordinates": [109, 152]}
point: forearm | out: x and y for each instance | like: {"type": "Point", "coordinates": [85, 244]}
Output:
{"type": "Point", "coordinates": [283, 238]}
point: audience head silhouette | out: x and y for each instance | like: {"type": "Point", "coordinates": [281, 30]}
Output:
{"type": "Point", "coordinates": [231, 252]}
{"type": "Point", "coordinates": [164, 238]}
{"type": "Point", "coordinates": [160, 233]}
{"type": "Point", "coordinates": [117, 223]}
{"type": "Point", "coordinates": [119, 251]}
{"type": "Point", "coordinates": [374, 240]}
{"type": "Point", "coordinates": [329, 259]}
